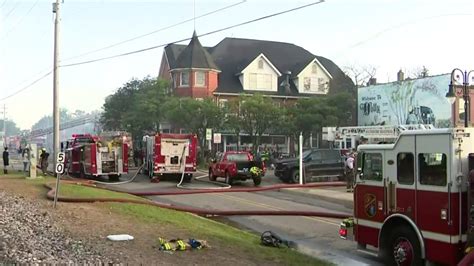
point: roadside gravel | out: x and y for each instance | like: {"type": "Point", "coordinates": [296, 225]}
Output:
{"type": "Point", "coordinates": [28, 235]}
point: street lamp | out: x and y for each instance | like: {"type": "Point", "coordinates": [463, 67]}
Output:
{"type": "Point", "coordinates": [465, 91]}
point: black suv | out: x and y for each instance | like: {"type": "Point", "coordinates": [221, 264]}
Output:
{"type": "Point", "coordinates": [319, 165]}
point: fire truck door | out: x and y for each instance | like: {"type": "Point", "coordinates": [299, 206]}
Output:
{"type": "Point", "coordinates": [432, 196]}
{"type": "Point", "coordinates": [369, 195]}
{"type": "Point", "coordinates": [400, 185]}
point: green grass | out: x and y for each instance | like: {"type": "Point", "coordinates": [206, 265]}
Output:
{"type": "Point", "coordinates": [220, 234]}
{"type": "Point", "coordinates": [12, 175]}
{"type": "Point", "coordinates": [79, 191]}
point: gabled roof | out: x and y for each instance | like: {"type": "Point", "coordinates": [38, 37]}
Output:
{"type": "Point", "coordinates": [318, 63]}
{"type": "Point", "coordinates": [232, 55]}
{"type": "Point", "coordinates": [195, 56]}
{"type": "Point", "coordinates": [266, 60]}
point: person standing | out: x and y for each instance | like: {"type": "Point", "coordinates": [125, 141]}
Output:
{"type": "Point", "coordinates": [44, 161]}
{"type": "Point", "coordinates": [5, 160]}
{"type": "Point", "coordinates": [350, 172]}
{"type": "Point", "coordinates": [26, 159]}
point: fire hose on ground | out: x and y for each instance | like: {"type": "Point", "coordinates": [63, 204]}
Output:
{"type": "Point", "coordinates": [198, 211]}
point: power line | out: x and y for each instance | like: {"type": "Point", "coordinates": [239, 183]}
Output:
{"type": "Point", "coordinates": [156, 31]}
{"type": "Point", "coordinates": [8, 14]}
{"type": "Point", "coordinates": [27, 86]}
{"type": "Point", "coordinates": [21, 19]}
{"type": "Point", "coordinates": [187, 39]}
{"type": "Point", "coordinates": [162, 45]}
{"type": "Point", "coordinates": [403, 24]}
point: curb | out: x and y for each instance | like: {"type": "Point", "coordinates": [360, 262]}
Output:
{"type": "Point", "coordinates": [344, 202]}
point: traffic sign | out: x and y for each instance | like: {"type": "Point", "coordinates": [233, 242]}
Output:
{"type": "Point", "coordinates": [208, 133]}
{"type": "Point", "coordinates": [217, 138]}
{"type": "Point", "coordinates": [59, 168]}
{"type": "Point", "coordinates": [61, 157]}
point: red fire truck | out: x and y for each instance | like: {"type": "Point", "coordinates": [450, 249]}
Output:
{"type": "Point", "coordinates": [412, 199]}
{"type": "Point", "coordinates": [104, 155]}
{"type": "Point", "coordinates": [164, 154]}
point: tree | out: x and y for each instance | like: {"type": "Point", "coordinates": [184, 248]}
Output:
{"type": "Point", "coordinates": [257, 114]}
{"type": "Point", "coordinates": [12, 129]}
{"type": "Point", "coordinates": [419, 72]}
{"type": "Point", "coordinates": [135, 107]}
{"type": "Point", "coordinates": [194, 115]}
{"type": "Point", "coordinates": [360, 74]}
{"type": "Point", "coordinates": [47, 120]}
{"type": "Point", "coordinates": [311, 114]}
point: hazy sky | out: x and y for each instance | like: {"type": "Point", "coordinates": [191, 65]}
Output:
{"type": "Point", "coordinates": [386, 34]}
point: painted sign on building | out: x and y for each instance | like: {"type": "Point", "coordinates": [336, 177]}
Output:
{"type": "Point", "coordinates": [415, 101]}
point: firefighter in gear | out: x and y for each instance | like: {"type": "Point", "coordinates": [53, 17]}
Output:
{"type": "Point", "coordinates": [256, 171]}
{"type": "Point", "coordinates": [44, 161]}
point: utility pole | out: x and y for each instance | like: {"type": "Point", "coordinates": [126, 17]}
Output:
{"type": "Point", "coordinates": [56, 10]}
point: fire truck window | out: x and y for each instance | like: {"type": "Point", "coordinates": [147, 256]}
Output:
{"type": "Point", "coordinates": [372, 167]}
{"type": "Point", "coordinates": [433, 169]}
{"type": "Point", "coordinates": [405, 168]}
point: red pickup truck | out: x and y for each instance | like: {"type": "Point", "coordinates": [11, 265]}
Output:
{"type": "Point", "coordinates": [236, 165]}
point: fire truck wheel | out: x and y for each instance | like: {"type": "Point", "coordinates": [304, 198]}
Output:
{"type": "Point", "coordinates": [212, 177]}
{"type": "Point", "coordinates": [228, 179]}
{"type": "Point", "coordinates": [114, 178]}
{"type": "Point", "coordinates": [403, 247]}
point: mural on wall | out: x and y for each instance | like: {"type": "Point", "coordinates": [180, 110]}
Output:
{"type": "Point", "coordinates": [416, 101]}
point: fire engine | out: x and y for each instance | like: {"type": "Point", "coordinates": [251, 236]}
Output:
{"type": "Point", "coordinates": [91, 155]}
{"type": "Point", "coordinates": [412, 198]}
{"type": "Point", "coordinates": [164, 155]}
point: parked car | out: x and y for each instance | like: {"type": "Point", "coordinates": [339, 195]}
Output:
{"type": "Point", "coordinates": [236, 165]}
{"type": "Point", "coordinates": [318, 165]}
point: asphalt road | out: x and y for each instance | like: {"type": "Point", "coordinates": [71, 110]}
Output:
{"type": "Point", "coordinates": [314, 236]}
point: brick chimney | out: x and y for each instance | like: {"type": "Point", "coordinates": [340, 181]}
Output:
{"type": "Point", "coordinates": [372, 81]}
{"type": "Point", "coordinates": [400, 75]}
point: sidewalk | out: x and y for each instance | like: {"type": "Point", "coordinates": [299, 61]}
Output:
{"type": "Point", "coordinates": [337, 195]}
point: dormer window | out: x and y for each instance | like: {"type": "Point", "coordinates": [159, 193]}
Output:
{"type": "Point", "coordinates": [260, 64]}
{"type": "Point", "coordinates": [184, 79]}
{"type": "Point", "coordinates": [200, 79]}
{"type": "Point", "coordinates": [314, 68]}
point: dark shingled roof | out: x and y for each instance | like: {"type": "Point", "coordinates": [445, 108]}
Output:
{"type": "Point", "coordinates": [232, 55]}
{"type": "Point", "coordinates": [195, 56]}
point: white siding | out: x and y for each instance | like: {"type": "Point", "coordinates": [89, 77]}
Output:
{"type": "Point", "coordinates": [255, 78]}
{"type": "Point", "coordinates": [315, 83]}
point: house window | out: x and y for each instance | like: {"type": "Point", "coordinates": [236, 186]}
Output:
{"type": "Point", "coordinates": [310, 84]}
{"type": "Point", "coordinates": [200, 79]}
{"type": "Point", "coordinates": [260, 64]}
{"type": "Point", "coordinates": [260, 81]}
{"type": "Point", "coordinates": [314, 68]}
{"type": "Point", "coordinates": [461, 112]}
{"type": "Point", "coordinates": [322, 85]}
{"type": "Point", "coordinates": [184, 79]}
{"type": "Point", "coordinates": [222, 103]}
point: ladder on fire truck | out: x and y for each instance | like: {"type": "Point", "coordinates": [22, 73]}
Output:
{"type": "Point", "coordinates": [349, 137]}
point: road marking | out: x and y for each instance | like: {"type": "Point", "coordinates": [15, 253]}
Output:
{"type": "Point", "coordinates": [250, 202]}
